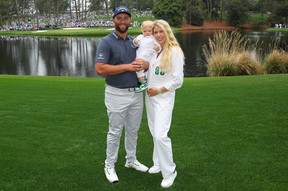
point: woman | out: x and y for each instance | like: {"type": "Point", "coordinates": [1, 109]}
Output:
{"type": "Point", "coordinates": [164, 76]}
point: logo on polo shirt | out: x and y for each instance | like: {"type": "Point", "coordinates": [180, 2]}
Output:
{"type": "Point", "coordinates": [100, 56]}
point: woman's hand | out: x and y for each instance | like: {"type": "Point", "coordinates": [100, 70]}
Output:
{"type": "Point", "coordinates": [156, 91]}
{"type": "Point", "coordinates": [152, 91]}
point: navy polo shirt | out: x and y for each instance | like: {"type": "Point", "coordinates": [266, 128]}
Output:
{"type": "Point", "coordinates": [114, 50]}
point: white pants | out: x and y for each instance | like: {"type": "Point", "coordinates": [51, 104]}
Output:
{"type": "Point", "coordinates": [124, 109]}
{"type": "Point", "coordinates": [159, 114]}
{"type": "Point", "coordinates": [140, 73]}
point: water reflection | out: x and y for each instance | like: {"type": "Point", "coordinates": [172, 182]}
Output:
{"type": "Point", "coordinates": [48, 56]}
{"type": "Point", "coordinates": [43, 56]}
{"type": "Point", "coordinates": [191, 43]}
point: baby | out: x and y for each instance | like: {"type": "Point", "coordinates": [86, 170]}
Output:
{"type": "Point", "coordinates": [147, 46]}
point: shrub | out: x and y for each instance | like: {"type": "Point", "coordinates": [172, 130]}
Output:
{"type": "Point", "coordinates": [230, 54]}
{"type": "Point", "coordinates": [223, 42]}
{"type": "Point", "coordinates": [233, 65]}
{"type": "Point", "coordinates": [220, 65]}
{"type": "Point", "coordinates": [247, 65]}
{"type": "Point", "coordinates": [276, 62]}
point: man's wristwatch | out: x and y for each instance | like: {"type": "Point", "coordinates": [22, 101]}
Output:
{"type": "Point", "coordinates": [159, 91]}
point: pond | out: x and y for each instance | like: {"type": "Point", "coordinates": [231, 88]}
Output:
{"type": "Point", "coordinates": [43, 56]}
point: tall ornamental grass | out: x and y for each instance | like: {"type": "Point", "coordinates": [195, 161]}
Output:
{"type": "Point", "coordinates": [276, 62]}
{"type": "Point", "coordinates": [230, 54]}
{"type": "Point", "coordinates": [247, 64]}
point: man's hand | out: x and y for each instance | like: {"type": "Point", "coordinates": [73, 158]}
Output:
{"type": "Point", "coordinates": [141, 64]}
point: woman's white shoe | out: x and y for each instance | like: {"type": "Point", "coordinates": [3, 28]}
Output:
{"type": "Point", "coordinates": [154, 169]}
{"type": "Point", "coordinates": [167, 182]}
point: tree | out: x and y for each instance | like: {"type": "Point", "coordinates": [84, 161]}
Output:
{"type": "Point", "coordinates": [143, 5]}
{"type": "Point", "coordinates": [169, 10]}
{"type": "Point", "coordinates": [60, 7]}
{"type": "Point", "coordinates": [4, 5]}
{"type": "Point", "coordinates": [97, 5]}
{"type": "Point", "coordinates": [11, 8]}
{"type": "Point", "coordinates": [237, 12]}
{"type": "Point", "coordinates": [106, 3]}
{"type": "Point", "coordinates": [195, 12]}
{"type": "Point", "coordinates": [282, 13]}
{"type": "Point", "coordinates": [209, 4]}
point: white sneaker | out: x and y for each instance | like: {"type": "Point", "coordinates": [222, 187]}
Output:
{"type": "Point", "coordinates": [167, 182]}
{"type": "Point", "coordinates": [154, 169]}
{"type": "Point", "coordinates": [111, 175]}
{"type": "Point", "coordinates": [136, 165]}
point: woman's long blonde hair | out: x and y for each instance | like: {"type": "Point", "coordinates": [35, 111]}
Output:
{"type": "Point", "coordinates": [171, 42]}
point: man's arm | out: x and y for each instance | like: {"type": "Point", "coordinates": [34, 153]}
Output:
{"type": "Point", "coordinates": [104, 69]}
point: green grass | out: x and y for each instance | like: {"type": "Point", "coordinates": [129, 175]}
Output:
{"type": "Point", "coordinates": [75, 32]}
{"type": "Point", "coordinates": [256, 18]}
{"type": "Point", "coordinates": [277, 30]}
{"type": "Point", "coordinates": [228, 133]}
{"type": "Point", "coordinates": [83, 32]}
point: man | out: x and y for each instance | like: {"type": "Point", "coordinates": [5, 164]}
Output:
{"type": "Point", "coordinates": [115, 59]}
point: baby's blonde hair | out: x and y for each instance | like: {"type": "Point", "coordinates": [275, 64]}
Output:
{"type": "Point", "coordinates": [147, 23]}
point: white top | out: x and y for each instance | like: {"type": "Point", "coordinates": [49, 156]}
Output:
{"type": "Point", "coordinates": [171, 80]}
{"type": "Point", "coordinates": [146, 44]}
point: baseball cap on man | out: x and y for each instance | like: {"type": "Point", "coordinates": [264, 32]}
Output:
{"type": "Point", "coordinates": [121, 9]}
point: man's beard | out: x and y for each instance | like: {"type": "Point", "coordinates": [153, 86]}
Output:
{"type": "Point", "coordinates": [122, 30]}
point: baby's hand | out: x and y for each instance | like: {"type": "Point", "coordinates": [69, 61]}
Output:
{"type": "Point", "coordinates": [136, 41]}
{"type": "Point", "coordinates": [156, 48]}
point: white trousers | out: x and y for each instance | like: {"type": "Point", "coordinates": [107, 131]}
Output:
{"type": "Point", "coordinates": [159, 114]}
{"type": "Point", "coordinates": [124, 109]}
{"type": "Point", "coordinates": [140, 73]}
